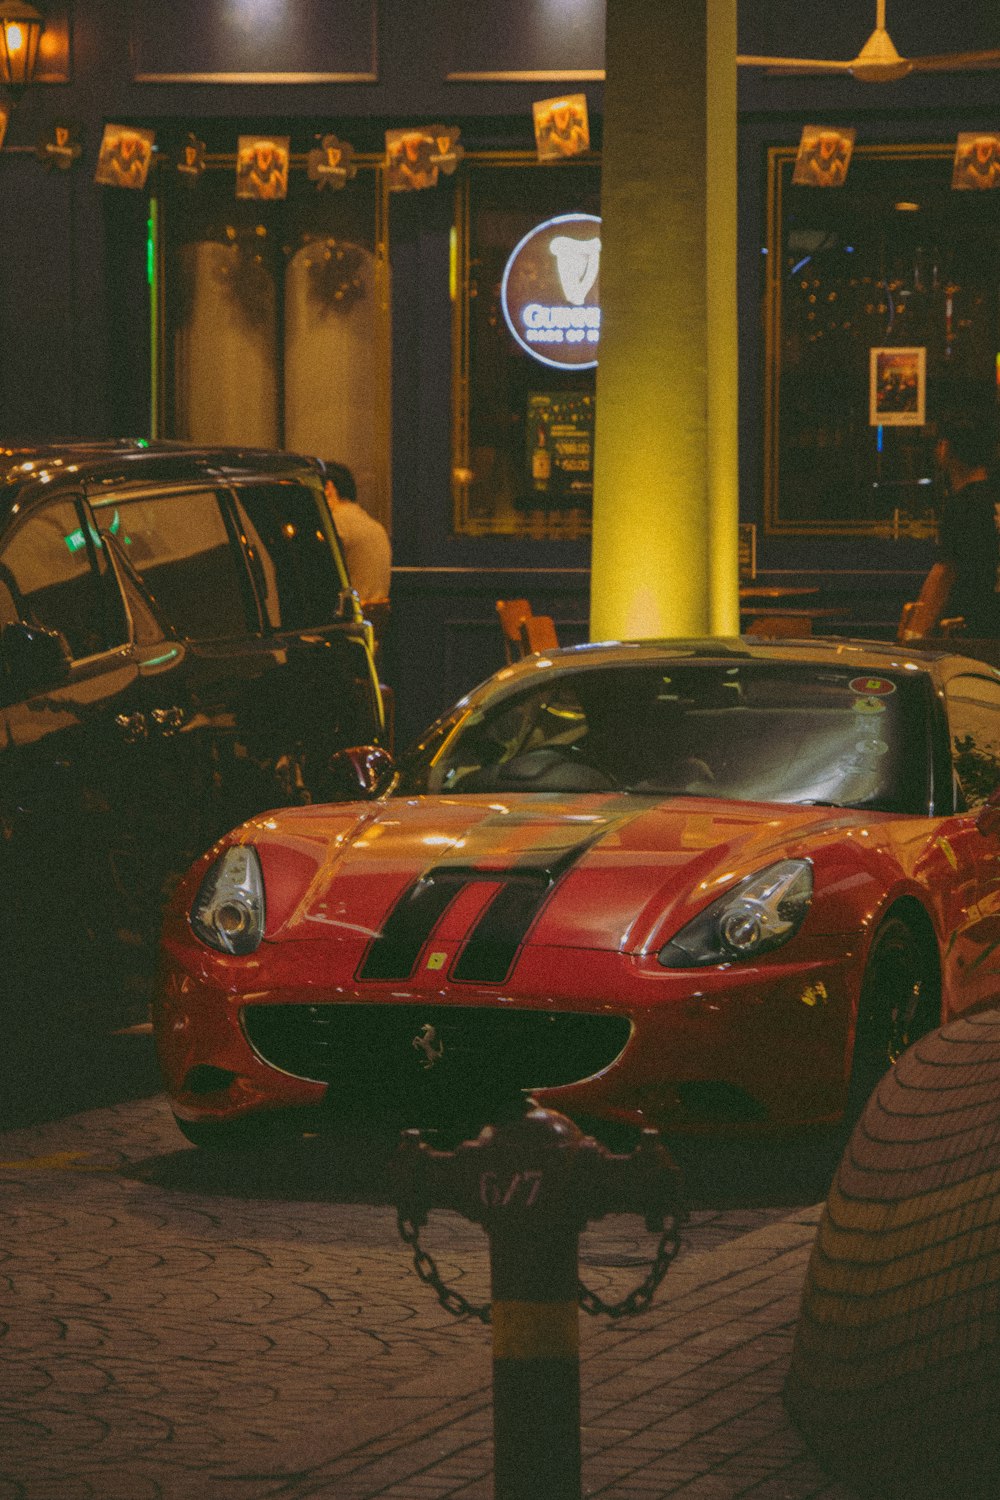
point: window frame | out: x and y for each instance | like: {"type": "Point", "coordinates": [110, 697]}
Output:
{"type": "Point", "coordinates": [106, 580]}
{"type": "Point", "coordinates": [253, 619]}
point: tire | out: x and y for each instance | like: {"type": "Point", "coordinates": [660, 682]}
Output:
{"type": "Point", "coordinates": [900, 1001]}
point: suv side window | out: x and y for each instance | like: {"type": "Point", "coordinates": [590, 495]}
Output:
{"type": "Point", "coordinates": [974, 725]}
{"type": "Point", "coordinates": [60, 573]}
{"type": "Point", "coordinates": [179, 546]}
{"type": "Point", "coordinates": [292, 555]}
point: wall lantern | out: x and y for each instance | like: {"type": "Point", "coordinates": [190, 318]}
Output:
{"type": "Point", "coordinates": [21, 28]}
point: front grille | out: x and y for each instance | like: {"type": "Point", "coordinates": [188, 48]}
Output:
{"type": "Point", "coordinates": [415, 1061]}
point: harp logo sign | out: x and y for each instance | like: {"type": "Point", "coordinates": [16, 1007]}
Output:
{"type": "Point", "coordinates": [550, 293]}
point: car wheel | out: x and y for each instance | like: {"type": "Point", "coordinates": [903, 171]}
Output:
{"type": "Point", "coordinates": [900, 1001]}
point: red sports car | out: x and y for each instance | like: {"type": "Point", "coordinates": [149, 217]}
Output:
{"type": "Point", "coordinates": [708, 886]}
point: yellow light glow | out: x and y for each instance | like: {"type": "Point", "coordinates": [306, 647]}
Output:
{"type": "Point", "coordinates": [15, 38]}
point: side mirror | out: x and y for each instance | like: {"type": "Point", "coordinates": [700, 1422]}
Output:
{"type": "Point", "coordinates": [36, 660]}
{"type": "Point", "coordinates": [988, 820]}
{"type": "Point", "coordinates": [360, 773]}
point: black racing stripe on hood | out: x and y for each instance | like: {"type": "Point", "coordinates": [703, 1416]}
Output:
{"type": "Point", "coordinates": [393, 953]}
{"type": "Point", "coordinates": [492, 946]}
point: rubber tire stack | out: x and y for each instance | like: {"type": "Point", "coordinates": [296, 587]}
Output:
{"type": "Point", "coordinates": [895, 1372]}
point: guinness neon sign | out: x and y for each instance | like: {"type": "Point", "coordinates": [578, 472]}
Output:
{"type": "Point", "coordinates": [550, 292]}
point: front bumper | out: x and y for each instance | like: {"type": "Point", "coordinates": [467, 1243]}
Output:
{"type": "Point", "coordinates": [596, 1035]}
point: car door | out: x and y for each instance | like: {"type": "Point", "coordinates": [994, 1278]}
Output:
{"type": "Point", "coordinates": [274, 671]}
{"type": "Point", "coordinates": [325, 694]}
{"type": "Point", "coordinates": [65, 755]}
{"type": "Point", "coordinates": [973, 709]}
{"type": "Point", "coordinates": [179, 544]}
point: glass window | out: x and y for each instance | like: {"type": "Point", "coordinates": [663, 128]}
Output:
{"type": "Point", "coordinates": [523, 427]}
{"type": "Point", "coordinates": [894, 260]}
{"type": "Point", "coordinates": [179, 546]}
{"type": "Point", "coordinates": [61, 578]}
{"type": "Point", "coordinates": [751, 731]}
{"type": "Point", "coordinates": [974, 721]}
{"type": "Point", "coordinates": [276, 322]}
{"type": "Point", "coordinates": [291, 554]}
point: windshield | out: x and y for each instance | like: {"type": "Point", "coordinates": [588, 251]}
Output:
{"type": "Point", "coordinates": [760, 731]}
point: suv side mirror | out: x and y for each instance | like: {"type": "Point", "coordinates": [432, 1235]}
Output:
{"type": "Point", "coordinates": [360, 773]}
{"type": "Point", "coordinates": [36, 660]}
{"type": "Point", "coordinates": [988, 819]}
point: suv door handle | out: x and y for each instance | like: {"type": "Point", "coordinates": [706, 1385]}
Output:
{"type": "Point", "coordinates": [168, 720]}
{"type": "Point", "coordinates": [132, 726]}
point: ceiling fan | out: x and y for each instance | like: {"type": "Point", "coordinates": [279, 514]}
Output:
{"type": "Point", "coordinates": [878, 61]}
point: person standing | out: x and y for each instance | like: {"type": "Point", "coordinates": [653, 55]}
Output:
{"type": "Point", "coordinates": [365, 541]}
{"type": "Point", "coordinates": [967, 534]}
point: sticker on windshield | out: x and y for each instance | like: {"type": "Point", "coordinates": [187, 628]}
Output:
{"type": "Point", "coordinates": [872, 687]}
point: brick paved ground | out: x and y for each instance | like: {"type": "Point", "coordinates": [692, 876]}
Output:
{"type": "Point", "coordinates": [175, 1327]}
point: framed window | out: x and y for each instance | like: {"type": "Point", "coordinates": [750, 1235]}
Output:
{"type": "Point", "coordinates": [882, 315]}
{"type": "Point", "coordinates": [522, 428]}
{"type": "Point", "coordinates": [272, 320]}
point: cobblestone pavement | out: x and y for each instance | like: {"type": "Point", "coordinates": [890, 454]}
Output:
{"type": "Point", "coordinates": [178, 1326]}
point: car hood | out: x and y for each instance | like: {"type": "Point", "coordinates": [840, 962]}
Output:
{"type": "Point", "coordinates": [618, 873]}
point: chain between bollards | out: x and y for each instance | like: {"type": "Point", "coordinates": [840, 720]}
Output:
{"type": "Point", "coordinates": [533, 1183]}
{"type": "Point", "coordinates": [634, 1302]}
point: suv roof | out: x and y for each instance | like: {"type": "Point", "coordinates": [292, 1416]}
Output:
{"type": "Point", "coordinates": [30, 471]}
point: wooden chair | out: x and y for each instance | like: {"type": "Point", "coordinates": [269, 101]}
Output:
{"type": "Point", "coordinates": [792, 627]}
{"type": "Point", "coordinates": [924, 615]}
{"type": "Point", "coordinates": [538, 633]}
{"type": "Point", "coordinates": [512, 613]}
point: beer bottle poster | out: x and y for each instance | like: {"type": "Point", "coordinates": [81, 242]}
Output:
{"type": "Point", "coordinates": [559, 441]}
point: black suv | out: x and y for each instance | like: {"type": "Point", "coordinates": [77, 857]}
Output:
{"type": "Point", "coordinates": [179, 650]}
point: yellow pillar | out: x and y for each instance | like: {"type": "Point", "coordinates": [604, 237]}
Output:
{"type": "Point", "coordinates": [665, 491]}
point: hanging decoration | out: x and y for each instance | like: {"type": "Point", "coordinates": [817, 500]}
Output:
{"type": "Point", "coordinates": [124, 157]}
{"type": "Point", "coordinates": [336, 272]}
{"type": "Point", "coordinates": [977, 161]}
{"type": "Point", "coordinates": [447, 152]}
{"type": "Point", "coordinates": [824, 156]}
{"type": "Point", "coordinates": [408, 161]}
{"type": "Point", "coordinates": [59, 147]}
{"type": "Point", "coordinates": [331, 163]}
{"type": "Point", "coordinates": [190, 163]}
{"type": "Point", "coordinates": [262, 166]}
{"type": "Point", "coordinates": [562, 127]}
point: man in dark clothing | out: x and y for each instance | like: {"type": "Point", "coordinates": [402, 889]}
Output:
{"type": "Point", "coordinates": [967, 533]}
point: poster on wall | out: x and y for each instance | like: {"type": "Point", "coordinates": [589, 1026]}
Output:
{"type": "Point", "coordinates": [897, 387]}
{"type": "Point", "coordinates": [977, 161]}
{"type": "Point", "coordinates": [823, 157]}
{"type": "Point", "coordinates": [559, 448]}
{"type": "Point", "coordinates": [262, 166]}
{"type": "Point", "coordinates": [408, 162]}
{"type": "Point", "coordinates": [561, 127]}
{"type": "Point", "coordinates": [124, 157]}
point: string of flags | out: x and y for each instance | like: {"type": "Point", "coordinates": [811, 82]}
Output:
{"type": "Point", "coordinates": [415, 156]}
{"type": "Point", "coordinates": [824, 156]}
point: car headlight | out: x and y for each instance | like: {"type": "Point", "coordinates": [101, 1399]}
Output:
{"type": "Point", "coordinates": [228, 911]}
{"type": "Point", "coordinates": [759, 914]}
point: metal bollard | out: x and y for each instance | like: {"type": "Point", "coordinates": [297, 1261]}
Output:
{"type": "Point", "coordinates": [533, 1183]}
